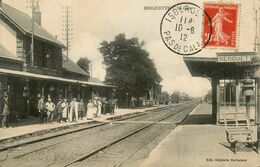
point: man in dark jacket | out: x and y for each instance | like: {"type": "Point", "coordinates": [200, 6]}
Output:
{"type": "Point", "coordinates": [41, 109]}
{"type": "Point", "coordinates": [59, 111]}
{"type": "Point", "coordinates": [81, 108]}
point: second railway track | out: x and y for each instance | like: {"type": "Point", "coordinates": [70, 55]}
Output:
{"type": "Point", "coordinates": [132, 142]}
{"type": "Point", "coordinates": [42, 136]}
{"type": "Point", "coordinates": [73, 148]}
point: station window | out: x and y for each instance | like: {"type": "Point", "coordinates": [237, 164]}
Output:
{"type": "Point", "coordinates": [228, 93]}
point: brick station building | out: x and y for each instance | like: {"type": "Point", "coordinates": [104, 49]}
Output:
{"type": "Point", "coordinates": [25, 78]}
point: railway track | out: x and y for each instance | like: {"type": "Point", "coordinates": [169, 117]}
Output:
{"type": "Point", "coordinates": [5, 145]}
{"type": "Point", "coordinates": [128, 143]}
{"type": "Point", "coordinates": [49, 147]}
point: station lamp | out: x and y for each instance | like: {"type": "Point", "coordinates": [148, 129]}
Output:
{"type": "Point", "coordinates": [248, 91]}
{"type": "Point", "coordinates": [248, 87]}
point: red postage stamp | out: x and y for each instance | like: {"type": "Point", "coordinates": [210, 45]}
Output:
{"type": "Point", "coordinates": [224, 25]}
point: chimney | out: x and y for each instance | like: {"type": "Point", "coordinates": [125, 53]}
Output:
{"type": "Point", "coordinates": [37, 14]}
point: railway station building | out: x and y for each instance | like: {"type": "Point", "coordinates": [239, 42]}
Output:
{"type": "Point", "coordinates": [226, 78]}
{"type": "Point", "coordinates": [25, 77]}
{"type": "Point", "coordinates": [230, 59]}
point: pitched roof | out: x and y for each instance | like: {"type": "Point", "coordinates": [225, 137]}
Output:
{"type": "Point", "coordinates": [24, 23]}
{"type": "Point", "coordinates": [71, 66]}
{"type": "Point", "coordinates": [6, 54]}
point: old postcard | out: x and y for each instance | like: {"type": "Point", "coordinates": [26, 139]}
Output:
{"type": "Point", "coordinates": [146, 83]}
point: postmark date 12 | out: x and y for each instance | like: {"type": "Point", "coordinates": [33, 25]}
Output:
{"type": "Point", "coordinates": [181, 28]}
{"type": "Point", "coordinates": [185, 24]}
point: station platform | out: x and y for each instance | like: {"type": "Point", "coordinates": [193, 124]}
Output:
{"type": "Point", "coordinates": [198, 142]}
{"type": "Point", "coordinates": [29, 126]}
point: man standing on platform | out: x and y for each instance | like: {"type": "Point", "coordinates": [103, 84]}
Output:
{"type": "Point", "coordinates": [50, 106]}
{"type": "Point", "coordinates": [41, 109]}
{"type": "Point", "coordinates": [74, 110]}
{"type": "Point", "coordinates": [59, 110]}
{"type": "Point", "coordinates": [81, 108]}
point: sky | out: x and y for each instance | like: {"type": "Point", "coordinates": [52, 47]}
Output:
{"type": "Point", "coordinates": [99, 20]}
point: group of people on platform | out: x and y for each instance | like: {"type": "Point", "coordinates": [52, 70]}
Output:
{"type": "Point", "coordinates": [73, 111]}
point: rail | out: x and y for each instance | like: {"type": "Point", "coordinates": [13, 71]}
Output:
{"type": "Point", "coordinates": [92, 153]}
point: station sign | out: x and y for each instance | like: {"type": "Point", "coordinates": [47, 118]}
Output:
{"type": "Point", "coordinates": [234, 58]}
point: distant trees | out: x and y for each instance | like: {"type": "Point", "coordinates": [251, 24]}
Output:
{"type": "Point", "coordinates": [178, 96]}
{"type": "Point", "coordinates": [83, 62]}
{"type": "Point", "coordinates": [185, 97]}
{"type": "Point", "coordinates": [208, 96]}
{"type": "Point", "coordinates": [175, 97]}
{"type": "Point", "coordinates": [128, 67]}
{"type": "Point", "coordinates": [163, 98]}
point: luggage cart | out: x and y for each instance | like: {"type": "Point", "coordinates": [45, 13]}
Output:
{"type": "Point", "coordinates": [238, 129]}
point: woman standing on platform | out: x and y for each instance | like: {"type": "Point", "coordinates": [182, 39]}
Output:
{"type": "Point", "coordinates": [5, 114]}
{"type": "Point", "coordinates": [99, 106]}
{"type": "Point", "coordinates": [91, 109]}
{"type": "Point", "coordinates": [81, 108]}
{"type": "Point", "coordinates": [59, 111]}
{"type": "Point", "coordinates": [64, 106]}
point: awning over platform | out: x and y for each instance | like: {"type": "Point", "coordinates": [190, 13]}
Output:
{"type": "Point", "coordinates": [96, 84]}
{"type": "Point", "coordinates": [211, 67]}
{"type": "Point", "coordinates": [48, 77]}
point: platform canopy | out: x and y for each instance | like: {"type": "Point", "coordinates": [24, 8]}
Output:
{"type": "Point", "coordinates": [48, 77]}
{"type": "Point", "coordinates": [231, 65]}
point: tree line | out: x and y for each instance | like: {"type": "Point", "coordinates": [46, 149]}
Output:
{"type": "Point", "coordinates": [178, 96]}
{"type": "Point", "coordinates": [128, 67]}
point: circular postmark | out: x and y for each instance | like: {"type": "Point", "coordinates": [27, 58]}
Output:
{"type": "Point", "coordinates": [182, 26]}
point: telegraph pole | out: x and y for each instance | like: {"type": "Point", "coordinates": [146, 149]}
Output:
{"type": "Point", "coordinates": [67, 27]}
{"type": "Point", "coordinates": [32, 45]}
